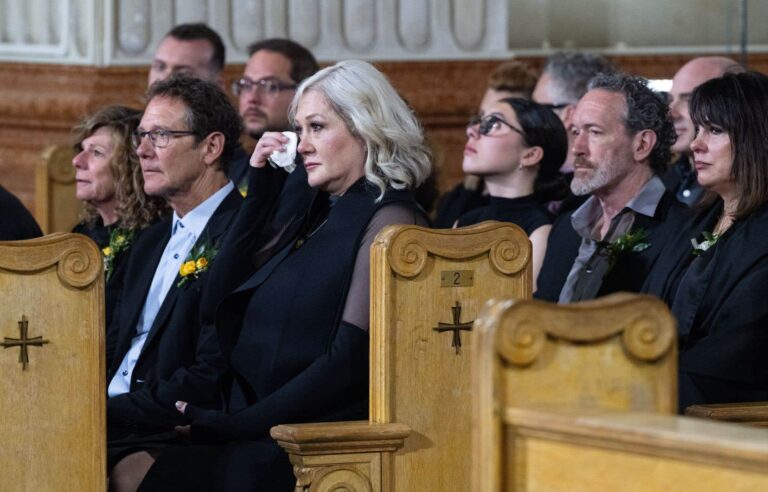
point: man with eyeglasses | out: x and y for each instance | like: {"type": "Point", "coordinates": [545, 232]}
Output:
{"type": "Point", "coordinates": [621, 133]}
{"type": "Point", "coordinates": [563, 82]}
{"type": "Point", "coordinates": [274, 69]}
{"type": "Point", "coordinates": [163, 353]}
{"type": "Point", "coordinates": [680, 179]}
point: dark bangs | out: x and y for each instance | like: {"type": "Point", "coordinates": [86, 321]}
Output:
{"type": "Point", "coordinates": [738, 103]}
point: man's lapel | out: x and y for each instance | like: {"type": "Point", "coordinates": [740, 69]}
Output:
{"type": "Point", "coordinates": [211, 235]}
{"type": "Point", "coordinates": [145, 256]}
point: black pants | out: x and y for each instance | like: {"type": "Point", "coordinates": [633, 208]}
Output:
{"type": "Point", "coordinates": [245, 466]}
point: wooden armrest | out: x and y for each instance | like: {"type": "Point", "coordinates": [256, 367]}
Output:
{"type": "Point", "coordinates": [359, 436]}
{"type": "Point", "coordinates": [353, 456]}
{"type": "Point", "coordinates": [753, 413]}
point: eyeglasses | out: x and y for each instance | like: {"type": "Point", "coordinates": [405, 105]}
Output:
{"type": "Point", "coordinates": [264, 86]}
{"type": "Point", "coordinates": [487, 124]}
{"type": "Point", "coordinates": [159, 137]}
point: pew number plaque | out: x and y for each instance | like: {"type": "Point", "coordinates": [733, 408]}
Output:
{"type": "Point", "coordinates": [457, 278]}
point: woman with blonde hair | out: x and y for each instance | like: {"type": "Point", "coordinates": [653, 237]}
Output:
{"type": "Point", "coordinates": [295, 334]}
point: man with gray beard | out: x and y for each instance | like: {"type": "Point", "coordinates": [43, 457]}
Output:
{"type": "Point", "coordinates": [621, 133]}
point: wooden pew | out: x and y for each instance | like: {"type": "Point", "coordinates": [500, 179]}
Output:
{"type": "Point", "coordinates": [750, 413]}
{"type": "Point", "coordinates": [589, 451]}
{"type": "Point", "coordinates": [52, 389]}
{"type": "Point", "coordinates": [533, 433]}
{"type": "Point", "coordinates": [56, 207]}
{"type": "Point", "coordinates": [427, 287]}
{"type": "Point", "coordinates": [617, 353]}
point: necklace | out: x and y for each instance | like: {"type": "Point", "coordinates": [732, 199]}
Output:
{"type": "Point", "coordinates": [300, 242]}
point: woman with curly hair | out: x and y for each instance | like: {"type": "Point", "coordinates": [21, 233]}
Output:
{"type": "Point", "coordinates": [109, 180]}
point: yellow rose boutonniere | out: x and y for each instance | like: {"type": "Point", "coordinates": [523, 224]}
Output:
{"type": "Point", "coordinates": [197, 262]}
{"type": "Point", "coordinates": [119, 241]}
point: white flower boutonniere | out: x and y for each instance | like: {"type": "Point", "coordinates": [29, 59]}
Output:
{"type": "Point", "coordinates": [700, 247]}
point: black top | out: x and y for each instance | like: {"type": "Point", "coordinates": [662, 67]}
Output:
{"type": "Point", "coordinates": [524, 211]}
{"type": "Point", "coordinates": [16, 222]}
{"type": "Point", "coordinates": [98, 232]}
{"type": "Point", "coordinates": [456, 203]}
{"type": "Point", "coordinates": [719, 301]}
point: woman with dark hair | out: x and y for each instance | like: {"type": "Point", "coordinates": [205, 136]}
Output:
{"type": "Point", "coordinates": [511, 78]}
{"type": "Point", "coordinates": [714, 274]}
{"type": "Point", "coordinates": [109, 180]}
{"type": "Point", "coordinates": [517, 146]}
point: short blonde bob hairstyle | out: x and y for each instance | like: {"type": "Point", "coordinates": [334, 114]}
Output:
{"type": "Point", "coordinates": [396, 153]}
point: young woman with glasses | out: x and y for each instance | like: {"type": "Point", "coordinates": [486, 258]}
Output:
{"type": "Point", "coordinates": [517, 147]}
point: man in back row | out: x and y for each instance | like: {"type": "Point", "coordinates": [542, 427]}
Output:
{"type": "Point", "coordinates": [621, 134]}
{"type": "Point", "coordinates": [191, 49]}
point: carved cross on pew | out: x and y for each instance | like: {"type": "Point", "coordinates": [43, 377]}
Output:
{"type": "Point", "coordinates": [456, 327]}
{"type": "Point", "coordinates": [23, 342]}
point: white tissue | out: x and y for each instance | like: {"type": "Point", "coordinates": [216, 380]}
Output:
{"type": "Point", "coordinates": [287, 158]}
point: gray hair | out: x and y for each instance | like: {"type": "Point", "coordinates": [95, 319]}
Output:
{"type": "Point", "coordinates": [396, 153]}
{"type": "Point", "coordinates": [571, 71]}
{"type": "Point", "coordinates": [646, 110]}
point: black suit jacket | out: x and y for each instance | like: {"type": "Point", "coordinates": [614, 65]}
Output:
{"type": "Point", "coordinates": [629, 272]}
{"type": "Point", "coordinates": [181, 359]}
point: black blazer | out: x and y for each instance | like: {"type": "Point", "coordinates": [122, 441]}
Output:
{"type": "Point", "coordinates": [629, 273]}
{"type": "Point", "coordinates": [181, 359]}
{"type": "Point", "coordinates": [276, 202]}
{"type": "Point", "coordinates": [719, 301]}
{"type": "Point", "coordinates": [297, 361]}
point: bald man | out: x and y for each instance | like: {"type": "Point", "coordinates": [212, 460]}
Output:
{"type": "Point", "coordinates": [680, 179]}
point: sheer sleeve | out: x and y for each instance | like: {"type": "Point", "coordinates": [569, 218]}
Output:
{"type": "Point", "coordinates": [330, 377]}
{"type": "Point", "coordinates": [357, 307]}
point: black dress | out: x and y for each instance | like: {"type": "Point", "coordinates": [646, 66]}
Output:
{"type": "Point", "coordinates": [294, 352]}
{"type": "Point", "coordinates": [719, 301]}
{"type": "Point", "coordinates": [525, 211]}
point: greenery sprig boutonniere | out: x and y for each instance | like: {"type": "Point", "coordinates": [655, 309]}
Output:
{"type": "Point", "coordinates": [629, 242]}
{"type": "Point", "coordinates": [198, 261]}
{"type": "Point", "coordinates": [700, 247]}
{"type": "Point", "coordinates": [119, 241]}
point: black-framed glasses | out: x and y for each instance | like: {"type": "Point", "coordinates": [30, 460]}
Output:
{"type": "Point", "coordinates": [264, 86]}
{"type": "Point", "coordinates": [159, 137]}
{"type": "Point", "coordinates": [487, 124]}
